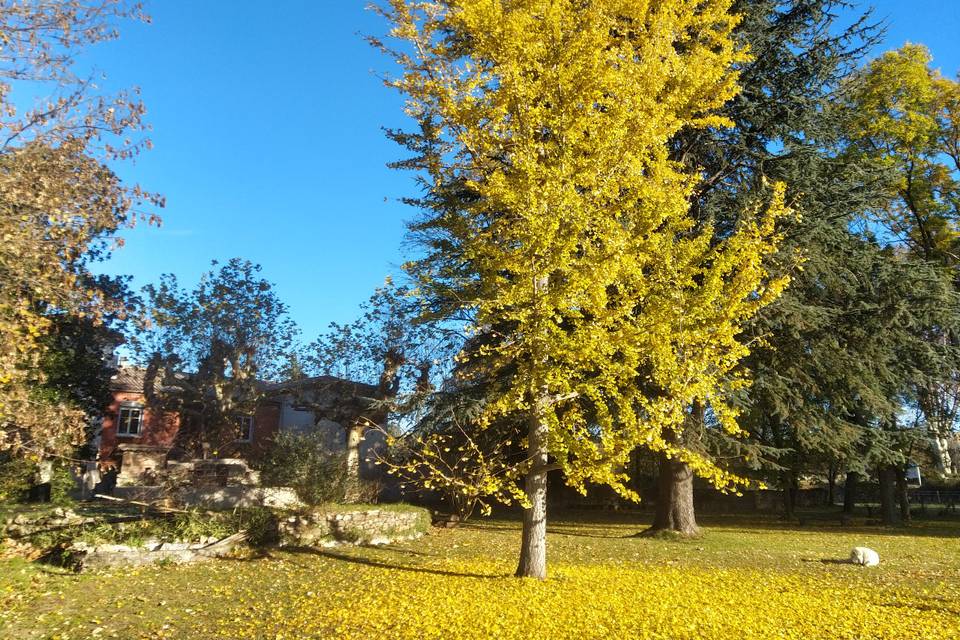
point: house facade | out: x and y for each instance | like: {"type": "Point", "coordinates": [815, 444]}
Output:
{"type": "Point", "coordinates": [136, 439]}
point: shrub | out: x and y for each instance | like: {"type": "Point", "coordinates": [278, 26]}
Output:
{"type": "Point", "coordinates": [369, 491]}
{"type": "Point", "coordinates": [301, 461]}
{"type": "Point", "coordinates": [260, 524]}
{"type": "Point", "coordinates": [16, 478]}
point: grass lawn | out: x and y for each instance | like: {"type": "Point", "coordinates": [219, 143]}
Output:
{"type": "Point", "coordinates": [747, 578]}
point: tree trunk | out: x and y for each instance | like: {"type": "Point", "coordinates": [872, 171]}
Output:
{"type": "Point", "coordinates": [635, 481]}
{"type": "Point", "coordinates": [351, 491]}
{"type": "Point", "coordinates": [533, 547]}
{"type": "Point", "coordinates": [903, 497]}
{"type": "Point", "coordinates": [889, 513]}
{"type": "Point", "coordinates": [675, 511]}
{"type": "Point", "coordinates": [941, 449]}
{"type": "Point", "coordinates": [789, 480]}
{"type": "Point", "coordinates": [850, 493]}
{"type": "Point", "coordinates": [831, 485]}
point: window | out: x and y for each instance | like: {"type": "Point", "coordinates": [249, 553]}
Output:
{"type": "Point", "coordinates": [245, 429]}
{"type": "Point", "coordinates": [130, 419]}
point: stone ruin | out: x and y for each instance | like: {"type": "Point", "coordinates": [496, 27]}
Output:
{"type": "Point", "coordinates": [85, 556]}
{"type": "Point", "coordinates": [22, 525]}
{"type": "Point", "coordinates": [140, 464]}
{"type": "Point", "coordinates": [370, 526]}
{"type": "Point", "coordinates": [319, 527]}
{"type": "Point", "coordinates": [218, 483]}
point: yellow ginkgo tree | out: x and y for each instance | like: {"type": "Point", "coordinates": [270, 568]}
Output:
{"type": "Point", "coordinates": [556, 227]}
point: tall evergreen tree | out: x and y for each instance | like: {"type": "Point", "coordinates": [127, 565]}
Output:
{"type": "Point", "coordinates": [779, 132]}
{"type": "Point", "coordinates": [849, 345]}
{"type": "Point", "coordinates": [554, 214]}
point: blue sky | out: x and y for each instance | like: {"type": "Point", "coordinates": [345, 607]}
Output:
{"type": "Point", "coordinates": [268, 145]}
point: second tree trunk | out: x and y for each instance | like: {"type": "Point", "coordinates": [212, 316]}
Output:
{"type": "Point", "coordinates": [675, 511]}
{"type": "Point", "coordinates": [889, 505]}
{"type": "Point", "coordinates": [352, 481]}
{"type": "Point", "coordinates": [850, 493]}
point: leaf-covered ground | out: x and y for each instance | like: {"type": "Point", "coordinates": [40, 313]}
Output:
{"type": "Point", "coordinates": [751, 578]}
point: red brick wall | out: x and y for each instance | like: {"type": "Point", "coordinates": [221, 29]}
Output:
{"type": "Point", "coordinates": [266, 423]}
{"type": "Point", "coordinates": [160, 429]}
{"type": "Point", "coordinates": [157, 428]}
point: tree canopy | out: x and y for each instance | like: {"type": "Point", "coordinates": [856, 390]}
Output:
{"type": "Point", "coordinates": [60, 205]}
{"type": "Point", "coordinates": [554, 215]}
{"type": "Point", "coordinates": [209, 350]}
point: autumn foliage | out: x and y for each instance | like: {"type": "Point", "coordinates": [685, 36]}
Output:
{"type": "Point", "coordinates": [59, 203]}
{"type": "Point", "coordinates": [557, 224]}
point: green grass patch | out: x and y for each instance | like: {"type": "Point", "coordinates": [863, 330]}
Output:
{"type": "Point", "coordinates": [747, 577]}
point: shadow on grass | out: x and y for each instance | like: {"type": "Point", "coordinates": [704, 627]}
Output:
{"type": "Point", "coordinates": [576, 533]}
{"type": "Point", "coordinates": [772, 525]}
{"type": "Point", "coordinates": [593, 524]}
{"type": "Point", "coordinates": [369, 562]}
{"type": "Point", "coordinates": [256, 554]}
{"type": "Point", "coordinates": [931, 604]}
{"type": "Point", "coordinates": [489, 525]}
{"type": "Point", "coordinates": [393, 549]}
{"type": "Point", "coordinates": [566, 523]}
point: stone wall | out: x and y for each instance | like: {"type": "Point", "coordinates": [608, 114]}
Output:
{"type": "Point", "coordinates": [238, 496]}
{"type": "Point", "coordinates": [221, 484]}
{"type": "Point", "coordinates": [23, 525]}
{"type": "Point", "coordinates": [320, 527]}
{"type": "Point", "coordinates": [87, 557]}
{"type": "Point", "coordinates": [369, 526]}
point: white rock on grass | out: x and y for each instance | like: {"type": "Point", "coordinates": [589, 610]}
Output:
{"type": "Point", "coordinates": [864, 557]}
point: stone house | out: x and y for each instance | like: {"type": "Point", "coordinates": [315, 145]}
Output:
{"type": "Point", "coordinates": [136, 439]}
{"type": "Point", "coordinates": [338, 410]}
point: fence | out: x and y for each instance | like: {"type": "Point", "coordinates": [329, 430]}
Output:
{"type": "Point", "coordinates": [949, 498]}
